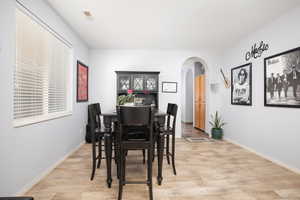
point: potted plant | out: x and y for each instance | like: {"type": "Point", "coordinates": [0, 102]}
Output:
{"type": "Point", "coordinates": [125, 99]}
{"type": "Point", "coordinates": [217, 123]}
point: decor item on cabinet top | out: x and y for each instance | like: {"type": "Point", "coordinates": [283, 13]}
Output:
{"type": "Point", "coordinates": [126, 99]}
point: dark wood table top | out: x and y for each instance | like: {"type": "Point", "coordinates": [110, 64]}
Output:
{"type": "Point", "coordinates": [114, 114]}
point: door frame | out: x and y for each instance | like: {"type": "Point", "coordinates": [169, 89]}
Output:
{"type": "Point", "coordinates": [185, 64]}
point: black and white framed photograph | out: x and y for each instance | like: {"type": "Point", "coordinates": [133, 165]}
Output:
{"type": "Point", "coordinates": [169, 87]}
{"type": "Point", "coordinates": [241, 85]}
{"type": "Point", "coordinates": [282, 78]}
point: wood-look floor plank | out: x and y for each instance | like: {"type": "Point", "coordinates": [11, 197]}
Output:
{"type": "Point", "coordinates": [205, 170]}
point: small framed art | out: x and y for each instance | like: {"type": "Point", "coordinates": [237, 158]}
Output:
{"type": "Point", "coordinates": [82, 82]}
{"type": "Point", "coordinates": [169, 87]}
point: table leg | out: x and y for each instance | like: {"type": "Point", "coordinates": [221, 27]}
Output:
{"type": "Point", "coordinates": [108, 155]}
{"type": "Point", "coordinates": [108, 149]}
{"type": "Point", "coordinates": [160, 155]}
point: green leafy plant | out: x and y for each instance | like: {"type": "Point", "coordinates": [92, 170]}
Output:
{"type": "Point", "coordinates": [216, 121]}
{"type": "Point", "coordinates": [122, 99]}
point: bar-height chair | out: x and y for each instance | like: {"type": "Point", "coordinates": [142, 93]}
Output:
{"type": "Point", "coordinates": [97, 134]}
{"type": "Point", "coordinates": [169, 131]}
{"type": "Point", "coordinates": [142, 118]}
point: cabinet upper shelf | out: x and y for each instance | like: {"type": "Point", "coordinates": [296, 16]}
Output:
{"type": "Point", "coordinates": [138, 81]}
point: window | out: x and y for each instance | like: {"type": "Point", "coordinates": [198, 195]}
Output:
{"type": "Point", "coordinates": [43, 72]}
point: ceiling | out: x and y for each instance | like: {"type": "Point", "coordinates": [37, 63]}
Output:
{"type": "Point", "coordinates": [168, 24]}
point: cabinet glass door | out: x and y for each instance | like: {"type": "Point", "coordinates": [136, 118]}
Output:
{"type": "Point", "coordinates": [138, 82]}
{"type": "Point", "coordinates": [151, 83]}
{"type": "Point", "coordinates": [124, 82]}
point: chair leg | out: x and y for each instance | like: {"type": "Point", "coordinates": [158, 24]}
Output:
{"type": "Point", "coordinates": [124, 167]}
{"type": "Point", "coordinates": [168, 149]}
{"type": "Point", "coordinates": [121, 158]}
{"type": "Point", "coordinates": [150, 173]}
{"type": "Point", "coordinates": [160, 156]}
{"type": "Point", "coordinates": [120, 191]}
{"type": "Point", "coordinates": [115, 149]}
{"type": "Point", "coordinates": [118, 160]}
{"type": "Point", "coordinates": [173, 154]}
{"type": "Point", "coordinates": [93, 161]}
{"type": "Point", "coordinates": [144, 160]}
{"type": "Point", "coordinates": [153, 152]}
{"type": "Point", "coordinates": [99, 152]}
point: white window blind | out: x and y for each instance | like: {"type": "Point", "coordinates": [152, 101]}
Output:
{"type": "Point", "coordinates": [42, 77]}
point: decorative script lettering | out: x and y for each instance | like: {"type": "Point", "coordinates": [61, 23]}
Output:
{"type": "Point", "coordinates": [256, 50]}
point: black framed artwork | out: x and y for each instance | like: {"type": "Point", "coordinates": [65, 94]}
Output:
{"type": "Point", "coordinates": [241, 85]}
{"type": "Point", "coordinates": [82, 82]}
{"type": "Point", "coordinates": [282, 79]}
{"type": "Point", "coordinates": [169, 87]}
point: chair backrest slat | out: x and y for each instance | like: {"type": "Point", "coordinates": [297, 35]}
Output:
{"type": "Point", "coordinates": [92, 121]}
{"type": "Point", "coordinates": [96, 114]}
{"type": "Point", "coordinates": [135, 117]}
{"type": "Point", "coordinates": [172, 113]}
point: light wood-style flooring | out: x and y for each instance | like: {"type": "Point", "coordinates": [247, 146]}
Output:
{"type": "Point", "coordinates": [189, 131]}
{"type": "Point", "coordinates": [205, 170]}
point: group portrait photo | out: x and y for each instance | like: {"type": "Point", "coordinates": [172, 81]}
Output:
{"type": "Point", "coordinates": [282, 79]}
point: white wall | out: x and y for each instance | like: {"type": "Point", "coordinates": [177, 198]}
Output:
{"type": "Point", "coordinates": [189, 99]}
{"type": "Point", "coordinates": [270, 131]}
{"type": "Point", "coordinates": [187, 92]}
{"type": "Point", "coordinates": [27, 152]}
{"type": "Point", "coordinates": [168, 62]}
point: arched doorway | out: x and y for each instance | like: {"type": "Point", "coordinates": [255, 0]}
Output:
{"type": "Point", "coordinates": [193, 102]}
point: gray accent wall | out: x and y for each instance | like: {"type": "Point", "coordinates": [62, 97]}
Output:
{"type": "Point", "coordinates": [28, 152]}
{"type": "Point", "coordinates": [273, 132]}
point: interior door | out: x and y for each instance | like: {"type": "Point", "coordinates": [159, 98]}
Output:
{"type": "Point", "coordinates": [200, 103]}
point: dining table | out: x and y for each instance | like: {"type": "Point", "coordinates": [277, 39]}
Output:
{"type": "Point", "coordinates": [109, 119]}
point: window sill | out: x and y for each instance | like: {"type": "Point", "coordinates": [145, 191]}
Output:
{"type": "Point", "coordinates": [37, 119]}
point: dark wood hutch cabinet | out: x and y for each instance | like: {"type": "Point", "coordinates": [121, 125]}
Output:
{"type": "Point", "coordinates": [143, 84]}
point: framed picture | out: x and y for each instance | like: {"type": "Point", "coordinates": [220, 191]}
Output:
{"type": "Point", "coordinates": [241, 85]}
{"type": "Point", "coordinates": [82, 82]}
{"type": "Point", "coordinates": [169, 87]}
{"type": "Point", "coordinates": [282, 79]}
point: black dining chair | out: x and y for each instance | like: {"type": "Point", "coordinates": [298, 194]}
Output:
{"type": "Point", "coordinates": [141, 118]}
{"type": "Point", "coordinates": [97, 135]}
{"type": "Point", "coordinates": [169, 131]}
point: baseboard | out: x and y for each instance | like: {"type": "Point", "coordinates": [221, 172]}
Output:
{"type": "Point", "coordinates": [186, 122]}
{"type": "Point", "coordinates": [38, 178]}
{"type": "Point", "coordinates": [293, 169]}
